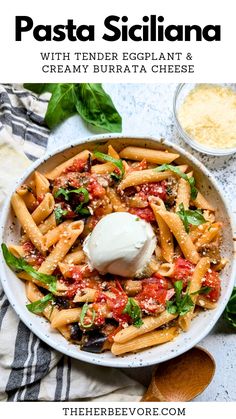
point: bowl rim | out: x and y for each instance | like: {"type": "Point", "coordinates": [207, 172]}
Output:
{"type": "Point", "coordinates": [118, 362]}
{"type": "Point", "coordinates": [217, 152]}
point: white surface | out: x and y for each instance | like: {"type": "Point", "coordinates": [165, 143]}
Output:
{"type": "Point", "coordinates": [147, 110]}
{"type": "Point", "coordinates": [120, 244]}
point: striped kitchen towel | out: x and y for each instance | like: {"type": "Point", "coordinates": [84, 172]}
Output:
{"type": "Point", "coordinates": [30, 369]}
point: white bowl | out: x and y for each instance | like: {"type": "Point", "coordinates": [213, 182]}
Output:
{"type": "Point", "coordinates": [201, 325]}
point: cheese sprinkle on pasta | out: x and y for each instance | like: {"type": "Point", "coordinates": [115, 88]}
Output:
{"type": "Point", "coordinates": [208, 115]}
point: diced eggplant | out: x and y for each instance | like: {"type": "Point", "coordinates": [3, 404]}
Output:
{"type": "Point", "coordinates": [75, 332]}
{"type": "Point", "coordinates": [212, 251]}
{"type": "Point", "coordinates": [94, 342]}
{"type": "Point", "coordinates": [88, 165]}
{"type": "Point", "coordinates": [62, 302]}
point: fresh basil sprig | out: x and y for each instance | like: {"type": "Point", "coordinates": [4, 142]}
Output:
{"type": "Point", "coordinates": [134, 311]}
{"type": "Point", "coordinates": [117, 162]}
{"type": "Point", "coordinates": [183, 175]}
{"type": "Point", "coordinates": [84, 310]}
{"type": "Point", "coordinates": [183, 302]}
{"type": "Point", "coordinates": [19, 264]}
{"type": "Point", "coordinates": [89, 100]}
{"type": "Point", "coordinates": [230, 311]}
{"type": "Point", "coordinates": [59, 213]}
{"type": "Point", "coordinates": [40, 305]}
{"type": "Point", "coordinates": [190, 217]}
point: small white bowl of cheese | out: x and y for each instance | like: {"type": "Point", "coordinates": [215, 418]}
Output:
{"type": "Point", "coordinates": [205, 117]}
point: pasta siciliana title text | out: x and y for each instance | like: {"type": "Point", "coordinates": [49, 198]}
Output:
{"type": "Point", "coordinates": [116, 28]}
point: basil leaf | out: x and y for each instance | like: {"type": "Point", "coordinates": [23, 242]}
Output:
{"type": "Point", "coordinates": [89, 100]}
{"type": "Point", "coordinates": [203, 290]}
{"type": "Point", "coordinates": [19, 264]}
{"type": "Point", "coordinates": [96, 107]}
{"type": "Point", "coordinates": [134, 311]}
{"type": "Point", "coordinates": [171, 307]}
{"type": "Point", "coordinates": [183, 216]}
{"type": "Point", "coordinates": [40, 305]}
{"type": "Point", "coordinates": [230, 311]}
{"type": "Point", "coordinates": [63, 192]}
{"type": "Point", "coordinates": [82, 211]}
{"type": "Point", "coordinates": [185, 305]}
{"type": "Point", "coordinates": [117, 162]}
{"type": "Point", "coordinates": [67, 192]}
{"type": "Point", "coordinates": [176, 170]}
{"type": "Point", "coordinates": [190, 217]}
{"type": "Point", "coordinates": [182, 303]}
{"type": "Point", "coordinates": [85, 308]}
{"type": "Point", "coordinates": [40, 88]}
{"type": "Point", "coordinates": [59, 213]}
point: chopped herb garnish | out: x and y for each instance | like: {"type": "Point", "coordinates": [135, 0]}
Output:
{"type": "Point", "coordinates": [19, 264]}
{"type": "Point", "coordinates": [134, 311]}
{"type": "Point", "coordinates": [190, 217]}
{"type": "Point", "coordinates": [117, 162]}
{"type": "Point", "coordinates": [59, 213]}
{"type": "Point", "coordinates": [183, 175]}
{"type": "Point", "coordinates": [85, 308]}
{"type": "Point", "coordinates": [40, 305]}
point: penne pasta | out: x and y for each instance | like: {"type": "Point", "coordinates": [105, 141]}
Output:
{"type": "Point", "coordinates": [83, 155]}
{"type": "Point", "coordinates": [17, 251]}
{"type": "Point", "coordinates": [62, 247]}
{"type": "Point", "coordinates": [48, 224]}
{"type": "Point", "coordinates": [88, 296]}
{"type": "Point", "coordinates": [30, 201]}
{"type": "Point", "coordinates": [151, 156]}
{"type": "Point", "coordinates": [177, 228]}
{"type": "Point", "coordinates": [117, 204]}
{"type": "Point", "coordinates": [33, 294]}
{"type": "Point", "coordinates": [107, 167]}
{"type": "Point", "coordinates": [103, 168]}
{"type": "Point", "coordinates": [183, 194]}
{"type": "Point", "coordinates": [166, 269]}
{"type": "Point", "coordinates": [195, 285]}
{"type": "Point", "coordinates": [205, 303]}
{"type": "Point", "coordinates": [166, 238]}
{"type": "Point", "coordinates": [149, 324]}
{"type": "Point", "coordinates": [209, 235]}
{"type": "Point", "coordinates": [197, 231]}
{"type": "Point", "coordinates": [139, 177]}
{"type": "Point", "coordinates": [52, 236]}
{"type": "Point", "coordinates": [76, 257]}
{"type": "Point", "coordinates": [64, 317]}
{"type": "Point", "coordinates": [41, 184]}
{"type": "Point", "coordinates": [201, 203]}
{"type": "Point", "coordinates": [44, 209]}
{"type": "Point", "coordinates": [146, 341]}
{"type": "Point", "coordinates": [28, 224]}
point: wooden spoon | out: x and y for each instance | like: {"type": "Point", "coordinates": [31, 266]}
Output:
{"type": "Point", "coordinates": [182, 378]}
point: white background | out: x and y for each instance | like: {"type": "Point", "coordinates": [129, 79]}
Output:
{"type": "Point", "coordinates": [21, 62]}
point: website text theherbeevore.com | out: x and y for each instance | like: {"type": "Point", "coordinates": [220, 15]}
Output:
{"type": "Point", "coordinates": [124, 411]}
